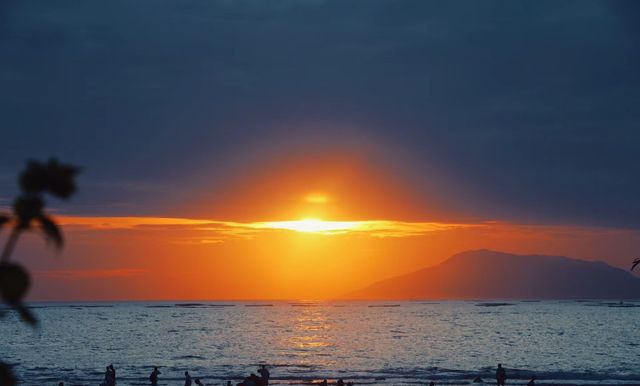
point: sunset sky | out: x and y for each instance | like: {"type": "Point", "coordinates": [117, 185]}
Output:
{"type": "Point", "coordinates": [304, 149]}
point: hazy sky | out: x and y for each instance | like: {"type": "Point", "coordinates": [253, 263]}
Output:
{"type": "Point", "coordinates": [520, 112]}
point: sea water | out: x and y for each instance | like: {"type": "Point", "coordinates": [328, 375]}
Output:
{"type": "Point", "coordinates": [390, 343]}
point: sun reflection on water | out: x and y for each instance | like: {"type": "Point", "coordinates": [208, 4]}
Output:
{"type": "Point", "coordinates": [310, 335]}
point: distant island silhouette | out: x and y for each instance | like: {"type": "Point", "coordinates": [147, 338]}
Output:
{"type": "Point", "coordinates": [486, 274]}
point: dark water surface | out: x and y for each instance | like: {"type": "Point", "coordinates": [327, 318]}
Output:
{"type": "Point", "coordinates": [366, 342]}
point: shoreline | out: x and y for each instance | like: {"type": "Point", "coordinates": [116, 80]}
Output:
{"type": "Point", "coordinates": [95, 378]}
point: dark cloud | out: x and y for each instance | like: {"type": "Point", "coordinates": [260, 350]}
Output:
{"type": "Point", "coordinates": [525, 111]}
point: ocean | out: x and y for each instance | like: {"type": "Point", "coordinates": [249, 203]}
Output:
{"type": "Point", "coordinates": [381, 343]}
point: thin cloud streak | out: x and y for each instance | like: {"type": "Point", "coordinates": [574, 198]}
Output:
{"type": "Point", "coordinates": [228, 229]}
{"type": "Point", "coordinates": [375, 228]}
{"type": "Point", "coordinates": [64, 274]}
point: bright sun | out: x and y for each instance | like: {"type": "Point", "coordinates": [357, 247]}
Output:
{"type": "Point", "coordinates": [312, 225]}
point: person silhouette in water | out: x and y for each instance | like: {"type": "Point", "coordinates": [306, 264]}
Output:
{"type": "Point", "coordinates": [110, 376]}
{"type": "Point", "coordinates": [501, 375]}
{"type": "Point", "coordinates": [107, 377]}
{"type": "Point", "coordinates": [264, 374]}
{"type": "Point", "coordinates": [154, 376]}
{"type": "Point", "coordinates": [532, 382]}
{"type": "Point", "coordinates": [113, 375]}
{"type": "Point", "coordinates": [198, 383]}
{"type": "Point", "coordinates": [187, 379]}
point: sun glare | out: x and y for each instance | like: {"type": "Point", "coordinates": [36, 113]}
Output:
{"type": "Point", "coordinates": [312, 225]}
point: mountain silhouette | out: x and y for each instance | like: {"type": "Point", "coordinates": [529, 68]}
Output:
{"type": "Point", "coordinates": [485, 274]}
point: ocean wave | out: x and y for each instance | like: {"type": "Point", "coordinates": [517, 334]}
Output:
{"type": "Point", "coordinates": [494, 304]}
{"type": "Point", "coordinates": [258, 305]}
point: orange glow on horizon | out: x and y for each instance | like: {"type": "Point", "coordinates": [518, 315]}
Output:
{"type": "Point", "coordinates": [135, 257]}
{"type": "Point", "coordinates": [314, 228]}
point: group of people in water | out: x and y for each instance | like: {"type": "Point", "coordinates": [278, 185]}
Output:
{"type": "Point", "coordinates": [251, 380]}
{"type": "Point", "coordinates": [188, 380]}
{"type": "Point", "coordinates": [263, 378]}
{"type": "Point", "coordinates": [340, 382]}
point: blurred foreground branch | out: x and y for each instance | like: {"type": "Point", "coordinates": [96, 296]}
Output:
{"type": "Point", "coordinates": [52, 178]}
